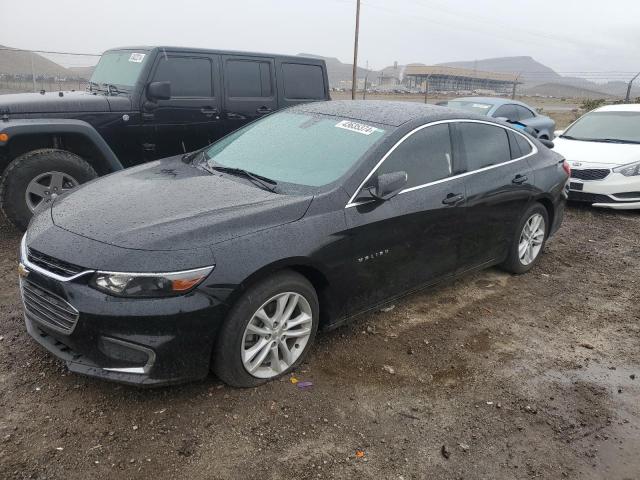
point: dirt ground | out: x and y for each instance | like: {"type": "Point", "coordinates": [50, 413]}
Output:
{"type": "Point", "coordinates": [494, 377]}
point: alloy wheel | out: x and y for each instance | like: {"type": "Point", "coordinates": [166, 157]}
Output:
{"type": "Point", "coordinates": [276, 335]}
{"type": "Point", "coordinates": [46, 187]}
{"type": "Point", "coordinates": [531, 239]}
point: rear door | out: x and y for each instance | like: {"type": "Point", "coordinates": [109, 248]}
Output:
{"type": "Point", "coordinates": [413, 238]}
{"type": "Point", "coordinates": [190, 119]}
{"type": "Point", "coordinates": [250, 89]}
{"type": "Point", "coordinates": [498, 187]}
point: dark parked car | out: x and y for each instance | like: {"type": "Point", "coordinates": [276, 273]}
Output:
{"type": "Point", "coordinates": [512, 110]}
{"type": "Point", "coordinates": [233, 256]}
{"type": "Point", "coordinates": [142, 104]}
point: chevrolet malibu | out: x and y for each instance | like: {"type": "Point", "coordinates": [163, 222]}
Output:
{"type": "Point", "coordinates": [231, 258]}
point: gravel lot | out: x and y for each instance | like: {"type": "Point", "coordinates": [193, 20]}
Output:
{"type": "Point", "coordinates": [494, 377]}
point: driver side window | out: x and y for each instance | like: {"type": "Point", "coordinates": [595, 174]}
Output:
{"type": "Point", "coordinates": [426, 156]}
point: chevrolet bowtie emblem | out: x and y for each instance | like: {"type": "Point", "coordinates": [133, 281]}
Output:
{"type": "Point", "coordinates": [22, 271]}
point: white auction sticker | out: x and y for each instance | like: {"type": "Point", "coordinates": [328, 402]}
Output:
{"type": "Point", "coordinates": [136, 57]}
{"type": "Point", "coordinates": [356, 127]}
{"type": "Point", "coordinates": [481, 105]}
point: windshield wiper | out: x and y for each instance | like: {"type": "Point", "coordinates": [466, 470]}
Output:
{"type": "Point", "coordinates": [111, 89]}
{"type": "Point", "coordinates": [264, 182]}
{"type": "Point", "coordinates": [614, 140]}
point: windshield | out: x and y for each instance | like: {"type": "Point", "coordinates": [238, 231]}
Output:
{"type": "Point", "coordinates": [119, 68]}
{"type": "Point", "coordinates": [296, 148]}
{"type": "Point", "coordinates": [621, 126]}
{"type": "Point", "coordinates": [468, 106]}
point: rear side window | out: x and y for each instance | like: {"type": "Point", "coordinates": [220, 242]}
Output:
{"type": "Point", "coordinates": [303, 82]}
{"type": "Point", "coordinates": [525, 146]}
{"type": "Point", "coordinates": [189, 76]}
{"type": "Point", "coordinates": [524, 113]}
{"type": "Point", "coordinates": [426, 156]}
{"type": "Point", "coordinates": [506, 111]}
{"type": "Point", "coordinates": [483, 144]}
{"type": "Point", "coordinates": [248, 78]}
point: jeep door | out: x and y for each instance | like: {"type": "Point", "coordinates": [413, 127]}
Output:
{"type": "Point", "coordinates": [249, 89]}
{"type": "Point", "coordinates": [190, 119]}
{"type": "Point", "coordinates": [413, 238]}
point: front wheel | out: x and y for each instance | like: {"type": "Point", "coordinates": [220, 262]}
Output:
{"type": "Point", "coordinates": [268, 332]}
{"type": "Point", "coordinates": [529, 240]}
{"type": "Point", "coordinates": [36, 178]}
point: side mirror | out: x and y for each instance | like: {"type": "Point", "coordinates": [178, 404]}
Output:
{"type": "Point", "coordinates": [388, 185]}
{"type": "Point", "coordinates": [159, 91]}
{"type": "Point", "coordinates": [546, 143]}
{"type": "Point", "coordinates": [557, 133]}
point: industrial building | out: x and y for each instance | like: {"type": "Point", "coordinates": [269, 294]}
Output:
{"type": "Point", "coordinates": [450, 79]}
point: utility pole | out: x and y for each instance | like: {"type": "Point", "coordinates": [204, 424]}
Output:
{"type": "Point", "coordinates": [626, 100]}
{"type": "Point", "coordinates": [515, 84]}
{"type": "Point", "coordinates": [355, 53]}
{"type": "Point", "coordinates": [33, 72]}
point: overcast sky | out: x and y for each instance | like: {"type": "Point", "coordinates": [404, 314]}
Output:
{"type": "Point", "coordinates": [567, 35]}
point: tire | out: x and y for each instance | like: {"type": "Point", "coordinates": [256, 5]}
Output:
{"type": "Point", "coordinates": [37, 165]}
{"type": "Point", "coordinates": [515, 262]}
{"type": "Point", "coordinates": [235, 339]}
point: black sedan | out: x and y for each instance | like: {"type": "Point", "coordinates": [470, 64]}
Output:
{"type": "Point", "coordinates": [232, 257]}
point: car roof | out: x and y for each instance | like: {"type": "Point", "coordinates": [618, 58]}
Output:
{"type": "Point", "coordinates": [149, 48]}
{"type": "Point", "coordinates": [628, 107]}
{"type": "Point", "coordinates": [497, 101]}
{"type": "Point", "coordinates": [384, 112]}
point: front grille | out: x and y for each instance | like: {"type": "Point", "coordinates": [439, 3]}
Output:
{"type": "Point", "coordinates": [590, 173]}
{"type": "Point", "coordinates": [53, 265]}
{"type": "Point", "coordinates": [589, 197]}
{"type": "Point", "coordinates": [47, 308]}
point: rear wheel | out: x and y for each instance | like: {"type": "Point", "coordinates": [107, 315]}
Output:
{"type": "Point", "coordinates": [530, 238]}
{"type": "Point", "coordinates": [36, 178]}
{"type": "Point", "coordinates": [268, 332]}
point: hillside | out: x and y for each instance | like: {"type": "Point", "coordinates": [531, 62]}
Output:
{"type": "Point", "coordinates": [563, 91]}
{"type": "Point", "coordinates": [14, 62]}
{"type": "Point", "coordinates": [532, 72]}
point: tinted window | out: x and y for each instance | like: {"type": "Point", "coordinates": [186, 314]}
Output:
{"type": "Point", "coordinates": [524, 113]}
{"type": "Point", "coordinates": [247, 78]}
{"type": "Point", "coordinates": [189, 76]}
{"type": "Point", "coordinates": [303, 81]}
{"type": "Point", "coordinates": [506, 111]}
{"type": "Point", "coordinates": [425, 156]}
{"type": "Point", "coordinates": [484, 144]}
{"type": "Point", "coordinates": [297, 148]}
{"type": "Point", "coordinates": [513, 143]}
{"type": "Point", "coordinates": [525, 146]}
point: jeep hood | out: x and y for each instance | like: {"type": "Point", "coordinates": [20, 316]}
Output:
{"type": "Point", "coordinates": [52, 102]}
{"type": "Point", "coordinates": [170, 205]}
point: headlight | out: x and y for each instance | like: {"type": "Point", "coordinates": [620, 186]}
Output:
{"type": "Point", "coordinates": [631, 170]}
{"type": "Point", "coordinates": [147, 285]}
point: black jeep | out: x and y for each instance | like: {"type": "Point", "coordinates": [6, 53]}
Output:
{"type": "Point", "coordinates": [141, 104]}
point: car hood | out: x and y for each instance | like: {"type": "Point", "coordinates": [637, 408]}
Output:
{"type": "Point", "coordinates": [52, 102]}
{"type": "Point", "coordinates": [596, 152]}
{"type": "Point", "coordinates": [170, 205]}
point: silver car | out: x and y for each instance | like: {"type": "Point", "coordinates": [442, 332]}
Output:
{"type": "Point", "coordinates": [511, 110]}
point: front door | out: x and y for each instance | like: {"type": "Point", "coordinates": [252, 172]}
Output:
{"type": "Point", "coordinates": [190, 119]}
{"type": "Point", "coordinates": [250, 89]}
{"type": "Point", "coordinates": [413, 238]}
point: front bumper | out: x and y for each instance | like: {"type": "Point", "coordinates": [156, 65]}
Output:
{"type": "Point", "coordinates": [614, 191]}
{"type": "Point", "coordinates": [144, 342]}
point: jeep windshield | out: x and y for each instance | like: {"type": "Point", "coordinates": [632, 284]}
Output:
{"type": "Point", "coordinates": [119, 69]}
{"type": "Point", "coordinates": [296, 148]}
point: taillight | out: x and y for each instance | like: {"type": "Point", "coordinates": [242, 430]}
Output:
{"type": "Point", "coordinates": [566, 167]}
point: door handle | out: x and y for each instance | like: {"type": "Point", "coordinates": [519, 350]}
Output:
{"type": "Point", "coordinates": [235, 116]}
{"type": "Point", "coordinates": [453, 199]}
{"type": "Point", "coordinates": [209, 111]}
{"type": "Point", "coordinates": [519, 179]}
{"type": "Point", "coordinates": [263, 110]}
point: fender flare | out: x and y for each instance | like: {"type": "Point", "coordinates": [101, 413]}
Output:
{"type": "Point", "coordinates": [20, 127]}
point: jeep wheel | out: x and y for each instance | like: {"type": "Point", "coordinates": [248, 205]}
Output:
{"type": "Point", "coordinates": [36, 178]}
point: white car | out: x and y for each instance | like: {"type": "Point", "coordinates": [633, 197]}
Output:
{"type": "Point", "coordinates": [603, 149]}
